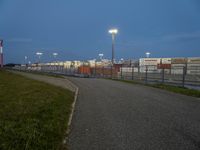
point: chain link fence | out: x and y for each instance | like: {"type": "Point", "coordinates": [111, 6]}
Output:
{"type": "Point", "coordinates": [180, 75]}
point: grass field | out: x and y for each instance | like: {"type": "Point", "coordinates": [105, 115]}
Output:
{"type": "Point", "coordinates": [33, 115]}
{"type": "Point", "coordinates": [175, 89]}
{"type": "Point", "coordinates": [45, 73]}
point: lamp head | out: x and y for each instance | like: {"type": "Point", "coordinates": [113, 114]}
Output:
{"type": "Point", "coordinates": [100, 55]}
{"type": "Point", "coordinates": [39, 53]}
{"type": "Point", "coordinates": [55, 54]}
{"type": "Point", "coordinates": [113, 31]}
{"type": "Point", "coordinates": [148, 54]}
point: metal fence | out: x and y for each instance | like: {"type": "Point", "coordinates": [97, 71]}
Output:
{"type": "Point", "coordinates": [181, 75]}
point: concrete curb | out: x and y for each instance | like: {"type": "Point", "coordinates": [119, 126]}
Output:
{"type": "Point", "coordinates": [72, 111]}
{"type": "Point", "coordinates": [73, 88]}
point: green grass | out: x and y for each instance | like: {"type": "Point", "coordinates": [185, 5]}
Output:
{"type": "Point", "coordinates": [47, 74]}
{"type": "Point", "coordinates": [175, 89]}
{"type": "Point", "coordinates": [33, 115]}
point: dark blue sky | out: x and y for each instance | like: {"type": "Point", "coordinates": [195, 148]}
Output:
{"type": "Point", "coordinates": [78, 29]}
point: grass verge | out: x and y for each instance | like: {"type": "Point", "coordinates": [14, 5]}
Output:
{"type": "Point", "coordinates": [33, 115]}
{"type": "Point", "coordinates": [175, 89]}
{"type": "Point", "coordinates": [46, 74]}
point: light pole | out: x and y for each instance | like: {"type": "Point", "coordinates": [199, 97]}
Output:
{"type": "Point", "coordinates": [39, 54]}
{"type": "Point", "coordinates": [122, 60]}
{"type": "Point", "coordinates": [113, 32]}
{"type": "Point", "coordinates": [148, 54]}
{"type": "Point", "coordinates": [1, 53]}
{"type": "Point", "coordinates": [101, 56]}
{"type": "Point", "coordinates": [25, 59]}
{"type": "Point", "coordinates": [55, 55]}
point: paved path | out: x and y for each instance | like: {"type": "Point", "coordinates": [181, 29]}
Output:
{"type": "Point", "coordinates": [112, 115]}
{"type": "Point", "coordinates": [62, 82]}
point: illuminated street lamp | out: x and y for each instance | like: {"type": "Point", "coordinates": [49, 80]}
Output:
{"type": "Point", "coordinates": [25, 59]}
{"type": "Point", "coordinates": [113, 32]}
{"type": "Point", "coordinates": [39, 54]}
{"type": "Point", "coordinates": [148, 54]}
{"type": "Point", "coordinates": [55, 55]}
{"type": "Point", "coordinates": [122, 60]}
{"type": "Point", "coordinates": [101, 56]}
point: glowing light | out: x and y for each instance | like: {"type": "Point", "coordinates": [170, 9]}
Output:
{"type": "Point", "coordinates": [39, 53]}
{"type": "Point", "coordinates": [113, 31]}
{"type": "Point", "coordinates": [148, 54]}
{"type": "Point", "coordinates": [55, 54]}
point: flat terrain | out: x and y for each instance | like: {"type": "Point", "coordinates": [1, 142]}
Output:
{"type": "Point", "coordinates": [33, 115]}
{"type": "Point", "coordinates": [112, 115]}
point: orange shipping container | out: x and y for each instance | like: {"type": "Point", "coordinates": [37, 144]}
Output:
{"type": "Point", "coordinates": [164, 66]}
{"type": "Point", "coordinates": [84, 70]}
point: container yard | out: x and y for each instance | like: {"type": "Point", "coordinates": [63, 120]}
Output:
{"type": "Point", "coordinates": [164, 70]}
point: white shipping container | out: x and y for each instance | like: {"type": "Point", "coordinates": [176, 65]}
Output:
{"type": "Point", "coordinates": [177, 71]}
{"type": "Point", "coordinates": [126, 69]}
{"type": "Point", "coordinates": [149, 61]}
{"type": "Point", "coordinates": [129, 69]}
{"type": "Point", "coordinates": [179, 60]}
{"type": "Point", "coordinates": [149, 68]}
{"type": "Point", "coordinates": [194, 60]}
{"type": "Point", "coordinates": [193, 65]}
{"type": "Point", "coordinates": [178, 65]}
{"type": "Point", "coordinates": [193, 72]}
{"type": "Point", "coordinates": [166, 60]}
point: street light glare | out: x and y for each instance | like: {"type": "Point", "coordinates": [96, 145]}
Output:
{"type": "Point", "coordinates": [113, 31]}
{"type": "Point", "coordinates": [148, 54]}
{"type": "Point", "coordinates": [55, 54]}
{"type": "Point", "coordinates": [39, 53]}
{"type": "Point", "coordinates": [101, 55]}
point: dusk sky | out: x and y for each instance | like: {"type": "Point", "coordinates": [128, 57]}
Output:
{"type": "Point", "coordinates": [78, 29]}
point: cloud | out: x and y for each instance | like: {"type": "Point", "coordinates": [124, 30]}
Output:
{"type": "Point", "coordinates": [182, 36]}
{"type": "Point", "coordinates": [161, 39]}
{"type": "Point", "coordinates": [22, 40]}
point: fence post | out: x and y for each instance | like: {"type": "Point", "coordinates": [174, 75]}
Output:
{"type": "Point", "coordinates": [111, 71]}
{"type": "Point", "coordinates": [163, 75]}
{"type": "Point", "coordinates": [184, 73]}
{"type": "Point", "coordinates": [121, 72]}
{"type": "Point", "coordinates": [95, 74]}
{"type": "Point", "coordinates": [139, 77]}
{"type": "Point", "coordinates": [132, 72]}
{"type": "Point", "coordinates": [146, 75]}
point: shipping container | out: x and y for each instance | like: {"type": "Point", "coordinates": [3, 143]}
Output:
{"type": "Point", "coordinates": [164, 66]}
{"type": "Point", "coordinates": [117, 67]}
{"type": "Point", "coordinates": [84, 70]}
{"type": "Point", "coordinates": [179, 60]}
{"type": "Point", "coordinates": [177, 71]}
{"type": "Point", "coordinates": [195, 60]}
{"type": "Point", "coordinates": [129, 69]}
{"type": "Point", "coordinates": [166, 61]}
{"type": "Point", "coordinates": [178, 65]}
{"type": "Point", "coordinates": [151, 69]}
{"type": "Point", "coordinates": [149, 61]}
{"type": "Point", "coordinates": [193, 72]}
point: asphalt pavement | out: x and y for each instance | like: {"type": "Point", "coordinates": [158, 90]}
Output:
{"type": "Point", "coordinates": [112, 115]}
